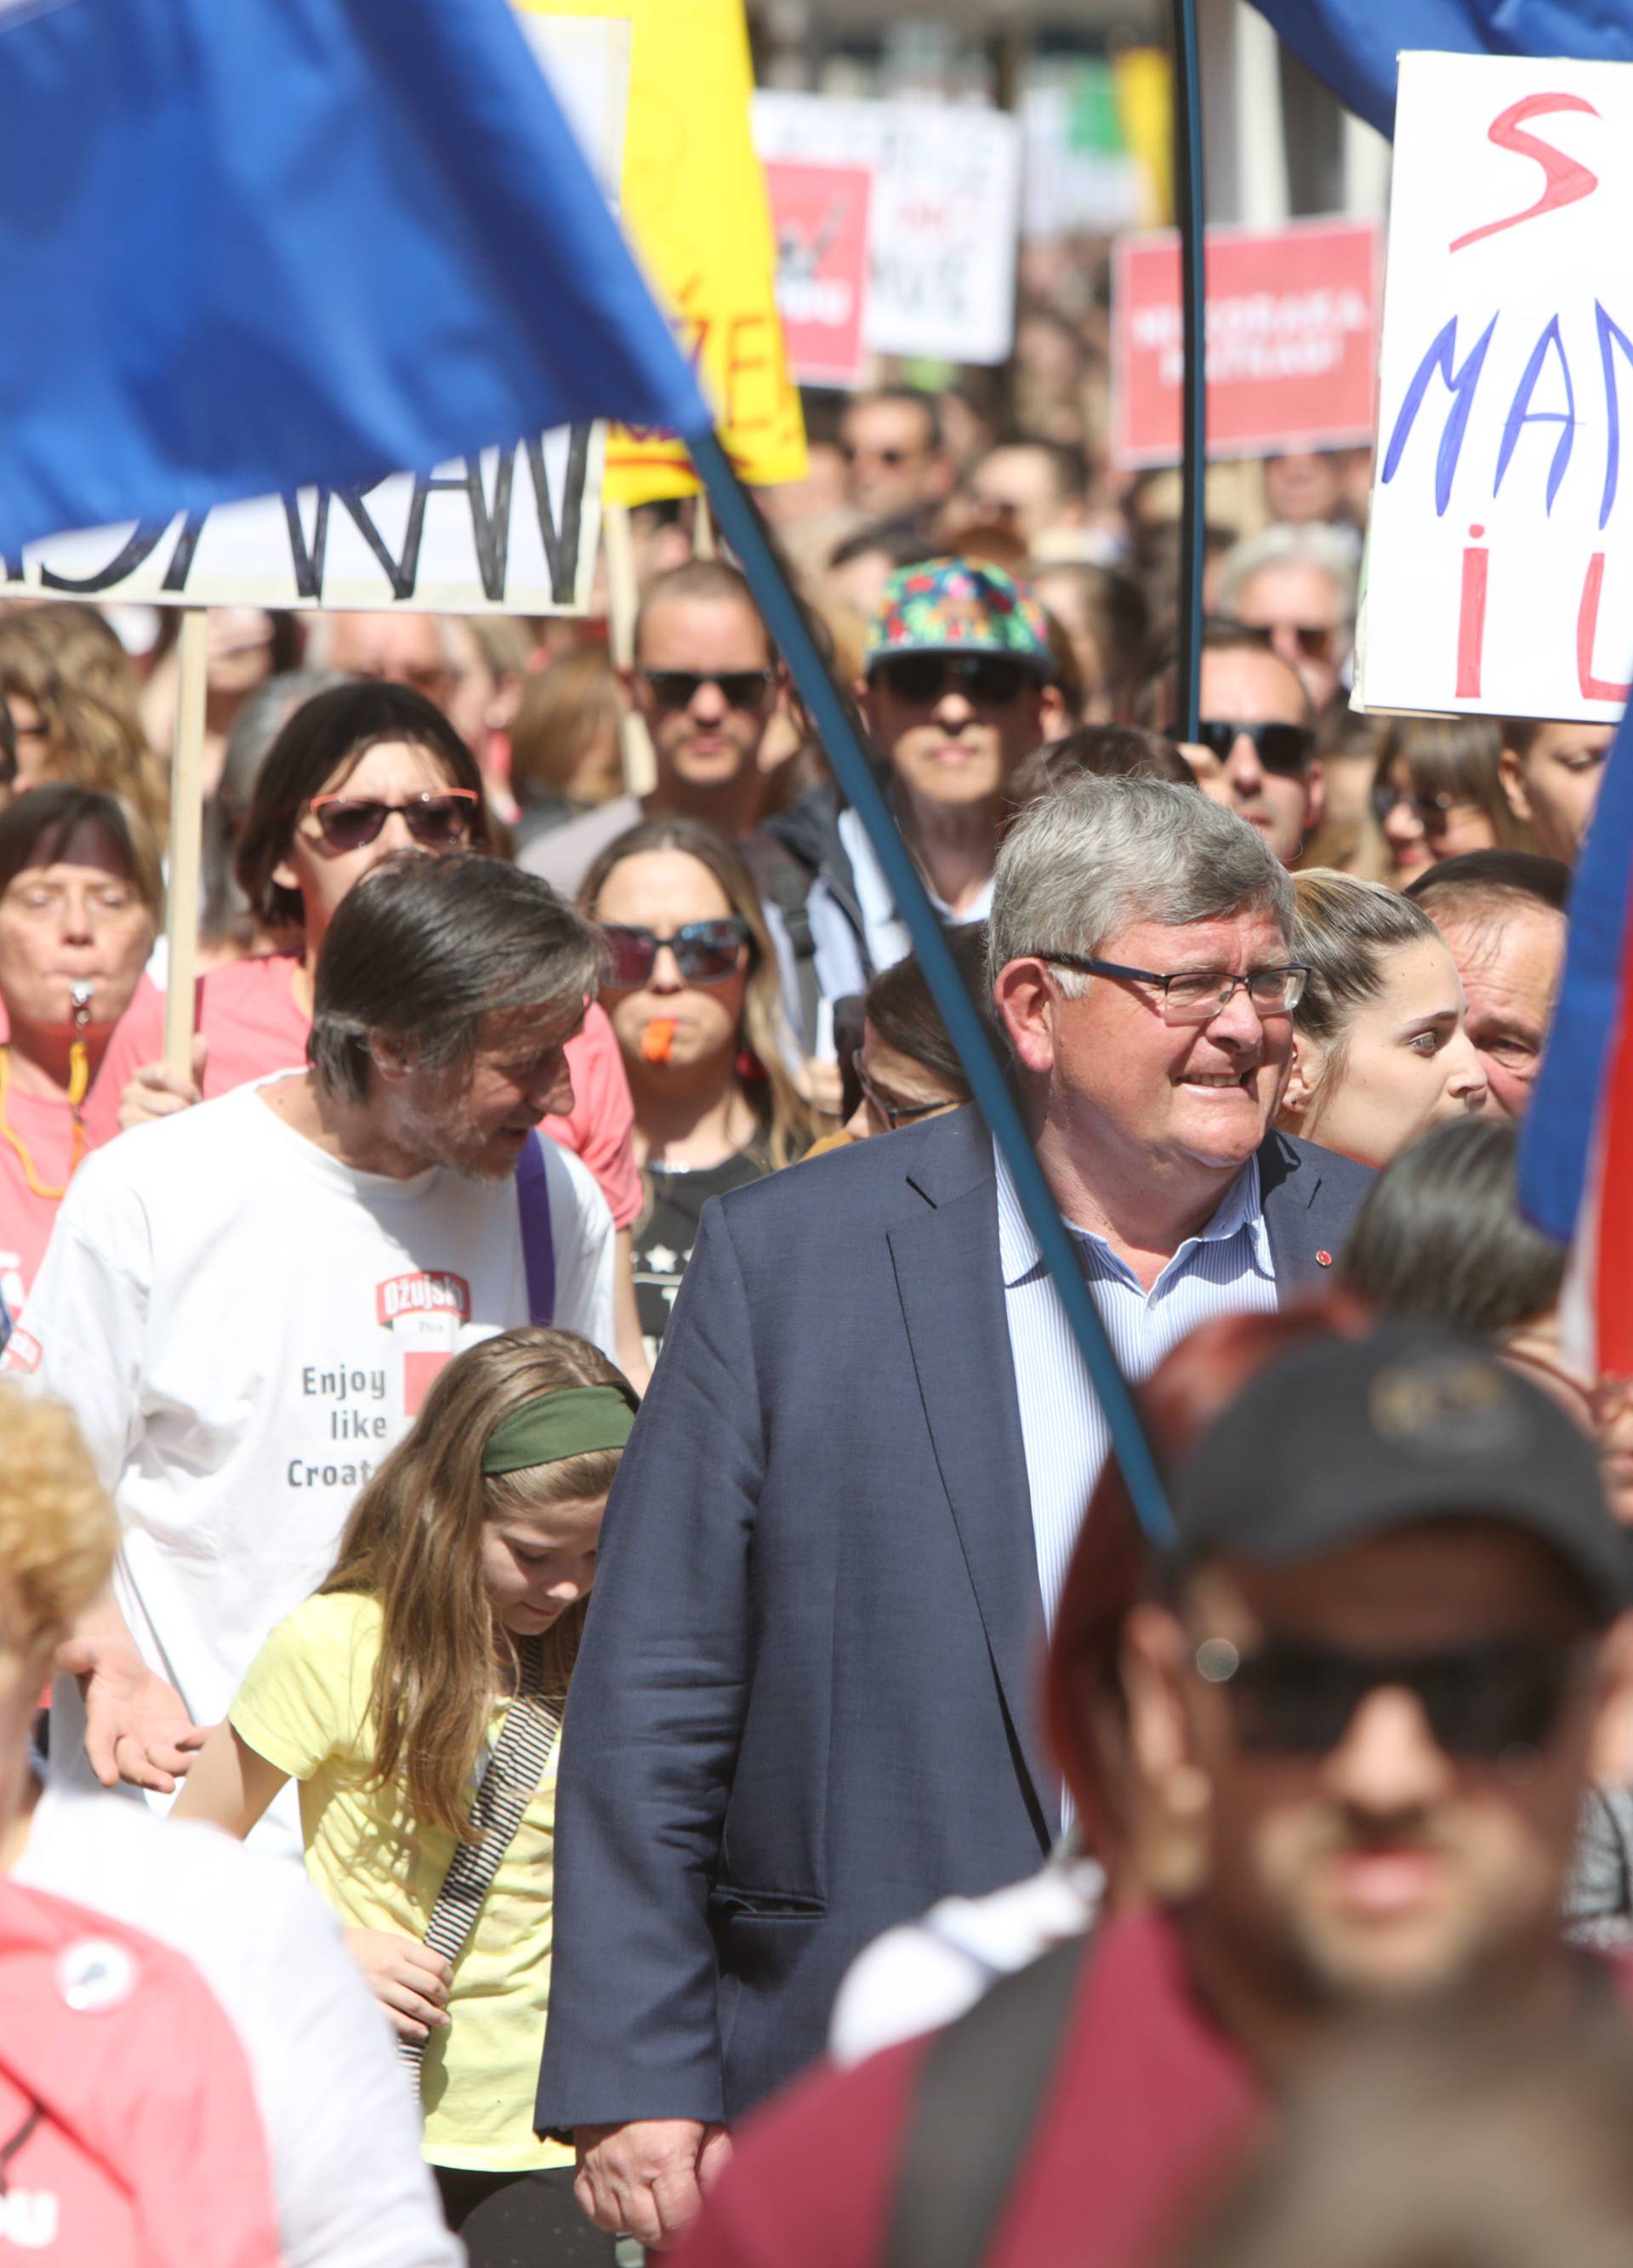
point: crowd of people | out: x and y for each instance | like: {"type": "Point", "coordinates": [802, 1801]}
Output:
{"type": "Point", "coordinates": [902, 1854]}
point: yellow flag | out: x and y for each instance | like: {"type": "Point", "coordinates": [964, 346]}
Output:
{"type": "Point", "coordinates": [694, 205]}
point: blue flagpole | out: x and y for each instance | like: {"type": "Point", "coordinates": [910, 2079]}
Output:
{"type": "Point", "coordinates": [740, 524]}
{"type": "Point", "coordinates": [1188, 199]}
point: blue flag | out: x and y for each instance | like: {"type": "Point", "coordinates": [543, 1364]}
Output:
{"type": "Point", "coordinates": [1353, 44]}
{"type": "Point", "coordinates": [247, 245]}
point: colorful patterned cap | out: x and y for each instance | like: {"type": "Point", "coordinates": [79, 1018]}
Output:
{"type": "Point", "coordinates": [958, 606]}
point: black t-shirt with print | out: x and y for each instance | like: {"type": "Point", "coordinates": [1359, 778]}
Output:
{"type": "Point", "coordinates": [667, 1229]}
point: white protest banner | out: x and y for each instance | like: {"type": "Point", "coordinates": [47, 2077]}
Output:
{"type": "Point", "coordinates": [1499, 569]}
{"type": "Point", "coordinates": [513, 532]}
{"type": "Point", "coordinates": [943, 217]}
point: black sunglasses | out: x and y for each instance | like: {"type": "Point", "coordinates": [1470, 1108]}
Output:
{"type": "Point", "coordinates": [1280, 748]}
{"type": "Point", "coordinates": [1482, 1702]}
{"type": "Point", "coordinates": [1430, 811]}
{"type": "Point", "coordinates": [441, 821]}
{"type": "Point", "coordinates": [705, 951]}
{"type": "Point", "coordinates": [738, 689]}
{"type": "Point", "coordinates": [991, 680]}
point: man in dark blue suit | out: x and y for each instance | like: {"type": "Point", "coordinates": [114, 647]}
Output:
{"type": "Point", "coordinates": [802, 1710]}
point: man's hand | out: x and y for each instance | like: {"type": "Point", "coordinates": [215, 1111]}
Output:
{"type": "Point", "coordinates": [648, 2179]}
{"type": "Point", "coordinates": [136, 1727]}
{"type": "Point", "coordinates": [409, 1981]}
{"type": "Point", "coordinates": [157, 1092]}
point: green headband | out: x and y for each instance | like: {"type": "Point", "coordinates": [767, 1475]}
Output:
{"type": "Point", "coordinates": [564, 1424]}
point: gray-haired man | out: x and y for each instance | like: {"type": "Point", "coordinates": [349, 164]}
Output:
{"type": "Point", "coordinates": [802, 1708]}
{"type": "Point", "coordinates": [245, 1304]}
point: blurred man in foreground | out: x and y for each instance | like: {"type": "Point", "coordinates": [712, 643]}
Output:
{"type": "Point", "coordinates": [1382, 1669]}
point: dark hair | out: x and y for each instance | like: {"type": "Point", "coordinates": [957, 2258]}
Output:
{"type": "Point", "coordinates": [1115, 615]}
{"type": "Point", "coordinates": [709, 579]}
{"type": "Point", "coordinates": [37, 827]}
{"type": "Point", "coordinates": [1477, 881]}
{"type": "Point", "coordinates": [1068, 460]}
{"type": "Point", "coordinates": [1219, 635]}
{"type": "Point", "coordinates": [1097, 751]}
{"type": "Point", "coordinates": [1440, 1235]}
{"type": "Point", "coordinates": [929, 410]}
{"type": "Point", "coordinates": [901, 1011]}
{"type": "Point", "coordinates": [424, 952]}
{"type": "Point", "coordinates": [226, 918]}
{"type": "Point", "coordinates": [902, 541]}
{"type": "Point", "coordinates": [1459, 757]}
{"type": "Point", "coordinates": [331, 730]}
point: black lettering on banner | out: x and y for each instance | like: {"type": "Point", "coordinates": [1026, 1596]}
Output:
{"type": "Point", "coordinates": [398, 574]}
{"type": "Point", "coordinates": [142, 542]}
{"type": "Point", "coordinates": [308, 564]}
{"type": "Point", "coordinates": [181, 559]}
{"type": "Point", "coordinates": [490, 530]}
{"type": "Point", "coordinates": [561, 551]}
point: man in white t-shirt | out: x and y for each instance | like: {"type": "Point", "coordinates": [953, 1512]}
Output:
{"type": "Point", "coordinates": [245, 1304]}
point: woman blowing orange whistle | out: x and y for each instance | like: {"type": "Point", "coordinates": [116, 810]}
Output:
{"type": "Point", "coordinates": [693, 997]}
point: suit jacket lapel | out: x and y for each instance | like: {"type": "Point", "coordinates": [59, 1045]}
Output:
{"type": "Point", "coordinates": [1295, 1220]}
{"type": "Point", "coordinates": [952, 1292]}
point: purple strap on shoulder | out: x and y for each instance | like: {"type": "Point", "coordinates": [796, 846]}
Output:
{"type": "Point", "coordinates": [533, 1205]}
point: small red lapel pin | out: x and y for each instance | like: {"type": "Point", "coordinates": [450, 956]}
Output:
{"type": "Point", "coordinates": [1323, 1259]}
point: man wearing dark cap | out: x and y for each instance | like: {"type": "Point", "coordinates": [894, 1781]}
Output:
{"type": "Point", "coordinates": [1384, 1657]}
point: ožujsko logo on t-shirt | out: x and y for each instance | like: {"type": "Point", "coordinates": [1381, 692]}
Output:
{"type": "Point", "coordinates": [423, 1312]}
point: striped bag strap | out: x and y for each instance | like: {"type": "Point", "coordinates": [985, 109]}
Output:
{"type": "Point", "coordinates": [516, 1768]}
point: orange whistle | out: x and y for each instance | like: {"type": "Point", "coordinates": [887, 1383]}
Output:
{"type": "Point", "coordinates": [658, 1039]}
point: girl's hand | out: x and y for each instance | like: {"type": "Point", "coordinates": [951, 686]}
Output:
{"type": "Point", "coordinates": [409, 1981]}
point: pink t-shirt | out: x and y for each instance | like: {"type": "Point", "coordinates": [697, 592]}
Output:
{"type": "Point", "coordinates": [128, 2115]}
{"type": "Point", "coordinates": [43, 1125]}
{"type": "Point", "coordinates": [254, 1024]}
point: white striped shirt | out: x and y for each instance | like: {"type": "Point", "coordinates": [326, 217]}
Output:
{"type": "Point", "coordinates": [1222, 1269]}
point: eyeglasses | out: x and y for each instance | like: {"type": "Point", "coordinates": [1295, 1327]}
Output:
{"type": "Point", "coordinates": [705, 951]}
{"type": "Point", "coordinates": [738, 689]}
{"type": "Point", "coordinates": [890, 1113]}
{"type": "Point", "coordinates": [1482, 1702]}
{"type": "Point", "coordinates": [437, 822]}
{"type": "Point", "coordinates": [1431, 812]}
{"type": "Point", "coordinates": [988, 681]}
{"type": "Point", "coordinates": [1280, 747]}
{"type": "Point", "coordinates": [1196, 996]}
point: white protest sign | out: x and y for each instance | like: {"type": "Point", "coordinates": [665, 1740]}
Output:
{"type": "Point", "coordinates": [1499, 569]}
{"type": "Point", "coordinates": [512, 532]}
{"type": "Point", "coordinates": [943, 217]}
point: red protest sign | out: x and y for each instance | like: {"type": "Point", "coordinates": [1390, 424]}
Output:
{"type": "Point", "coordinates": [819, 218]}
{"type": "Point", "coordinates": [1292, 340]}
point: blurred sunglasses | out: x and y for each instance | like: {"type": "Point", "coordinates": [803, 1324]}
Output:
{"type": "Point", "coordinates": [438, 822]}
{"type": "Point", "coordinates": [1429, 811]}
{"type": "Point", "coordinates": [738, 689]}
{"type": "Point", "coordinates": [1280, 748]}
{"type": "Point", "coordinates": [1482, 1702]}
{"type": "Point", "coordinates": [989, 680]}
{"type": "Point", "coordinates": [705, 951]}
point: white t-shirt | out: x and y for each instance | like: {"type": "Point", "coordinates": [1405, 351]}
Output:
{"type": "Point", "coordinates": [244, 1327]}
{"type": "Point", "coordinates": [341, 2119]}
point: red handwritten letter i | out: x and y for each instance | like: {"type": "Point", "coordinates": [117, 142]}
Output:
{"type": "Point", "coordinates": [1471, 620]}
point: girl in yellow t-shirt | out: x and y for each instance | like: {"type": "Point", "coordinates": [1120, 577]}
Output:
{"type": "Point", "coordinates": [465, 1569]}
